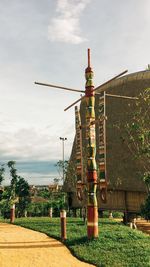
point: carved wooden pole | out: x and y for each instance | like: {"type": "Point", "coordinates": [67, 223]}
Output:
{"type": "Point", "coordinates": [92, 209]}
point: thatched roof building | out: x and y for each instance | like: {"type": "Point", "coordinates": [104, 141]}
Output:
{"type": "Point", "coordinates": [126, 191]}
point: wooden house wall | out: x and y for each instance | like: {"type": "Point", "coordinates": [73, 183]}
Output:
{"type": "Point", "coordinates": [120, 200]}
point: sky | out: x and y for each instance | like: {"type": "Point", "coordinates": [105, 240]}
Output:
{"type": "Point", "coordinates": [47, 41]}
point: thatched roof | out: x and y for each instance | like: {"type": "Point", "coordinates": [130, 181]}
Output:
{"type": "Point", "coordinates": [122, 168]}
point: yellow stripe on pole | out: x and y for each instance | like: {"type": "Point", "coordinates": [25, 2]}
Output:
{"type": "Point", "coordinates": [92, 224]}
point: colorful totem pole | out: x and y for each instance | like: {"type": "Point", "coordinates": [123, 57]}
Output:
{"type": "Point", "coordinates": [91, 181]}
{"type": "Point", "coordinates": [92, 209]}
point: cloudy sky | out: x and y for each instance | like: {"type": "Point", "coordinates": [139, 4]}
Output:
{"type": "Point", "coordinates": [47, 41]}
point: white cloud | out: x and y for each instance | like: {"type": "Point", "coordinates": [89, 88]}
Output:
{"type": "Point", "coordinates": [33, 178]}
{"type": "Point", "coordinates": [65, 27]}
{"type": "Point", "coordinates": [31, 144]}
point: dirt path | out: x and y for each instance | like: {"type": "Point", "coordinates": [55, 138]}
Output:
{"type": "Point", "coordinates": [20, 247]}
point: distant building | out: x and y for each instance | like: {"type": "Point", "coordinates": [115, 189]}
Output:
{"type": "Point", "coordinates": [34, 189]}
{"type": "Point", "coordinates": [55, 188]}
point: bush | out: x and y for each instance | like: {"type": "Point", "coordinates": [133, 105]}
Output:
{"type": "Point", "coordinates": [145, 209]}
{"type": "Point", "coordinates": [5, 208]}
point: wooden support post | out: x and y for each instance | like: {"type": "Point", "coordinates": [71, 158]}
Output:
{"type": "Point", "coordinates": [92, 209]}
{"type": "Point", "coordinates": [12, 213]}
{"type": "Point", "coordinates": [63, 225]}
{"type": "Point", "coordinates": [51, 212]}
{"type": "Point", "coordinates": [110, 214]}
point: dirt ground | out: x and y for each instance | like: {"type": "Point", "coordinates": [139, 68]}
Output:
{"type": "Point", "coordinates": [20, 247]}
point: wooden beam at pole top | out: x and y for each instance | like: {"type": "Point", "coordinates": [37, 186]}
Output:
{"type": "Point", "coordinates": [74, 103]}
{"type": "Point", "coordinates": [60, 87]}
{"type": "Point", "coordinates": [102, 85]}
{"type": "Point", "coordinates": [123, 96]}
{"type": "Point", "coordinates": [98, 88]}
{"type": "Point", "coordinates": [89, 58]}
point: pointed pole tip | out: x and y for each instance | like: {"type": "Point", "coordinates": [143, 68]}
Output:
{"type": "Point", "coordinates": [89, 58]}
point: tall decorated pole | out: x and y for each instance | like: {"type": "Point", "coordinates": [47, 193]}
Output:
{"type": "Point", "coordinates": [92, 209]}
{"type": "Point", "coordinates": [91, 181]}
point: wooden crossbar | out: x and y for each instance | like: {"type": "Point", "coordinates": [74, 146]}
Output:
{"type": "Point", "coordinates": [123, 96]}
{"type": "Point", "coordinates": [100, 88]}
{"type": "Point", "coordinates": [60, 87]}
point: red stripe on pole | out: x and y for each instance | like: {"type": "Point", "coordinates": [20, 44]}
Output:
{"type": "Point", "coordinates": [89, 91]}
{"type": "Point", "coordinates": [92, 176]}
{"type": "Point", "coordinates": [92, 225]}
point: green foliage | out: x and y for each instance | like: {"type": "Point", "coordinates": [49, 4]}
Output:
{"type": "Point", "coordinates": [14, 179]}
{"type": "Point", "coordinates": [44, 193]}
{"type": "Point", "coordinates": [71, 177]}
{"type": "Point", "coordinates": [17, 192]}
{"type": "Point", "coordinates": [146, 179]}
{"type": "Point", "coordinates": [38, 209]}
{"type": "Point", "coordinates": [62, 166]}
{"type": "Point", "coordinates": [116, 214]}
{"type": "Point", "coordinates": [56, 201]}
{"type": "Point", "coordinates": [145, 208]}
{"type": "Point", "coordinates": [22, 187]}
{"type": "Point", "coordinates": [5, 208]}
{"type": "Point", "coordinates": [117, 245]}
{"type": "Point", "coordinates": [2, 171]}
{"type": "Point", "coordinates": [139, 127]}
{"type": "Point", "coordinates": [5, 203]}
{"type": "Point", "coordinates": [23, 194]}
{"type": "Point", "coordinates": [137, 134]}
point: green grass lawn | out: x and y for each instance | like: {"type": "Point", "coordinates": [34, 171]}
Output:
{"type": "Point", "coordinates": [117, 245]}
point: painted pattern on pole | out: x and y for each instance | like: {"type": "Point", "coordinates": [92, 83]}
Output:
{"type": "Point", "coordinates": [92, 209]}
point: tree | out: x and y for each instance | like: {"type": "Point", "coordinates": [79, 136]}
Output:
{"type": "Point", "coordinates": [19, 190]}
{"type": "Point", "coordinates": [44, 193]}
{"type": "Point", "coordinates": [145, 208]}
{"type": "Point", "coordinates": [137, 134]}
{"type": "Point", "coordinates": [62, 167]}
{"type": "Point", "coordinates": [2, 171]}
{"type": "Point", "coordinates": [14, 179]}
{"type": "Point", "coordinates": [23, 193]}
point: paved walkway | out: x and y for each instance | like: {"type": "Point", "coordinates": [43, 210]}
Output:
{"type": "Point", "coordinates": [20, 247]}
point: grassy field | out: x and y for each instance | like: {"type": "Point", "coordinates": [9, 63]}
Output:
{"type": "Point", "coordinates": [116, 246]}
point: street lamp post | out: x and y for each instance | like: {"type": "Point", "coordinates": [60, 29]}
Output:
{"type": "Point", "coordinates": [63, 155]}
